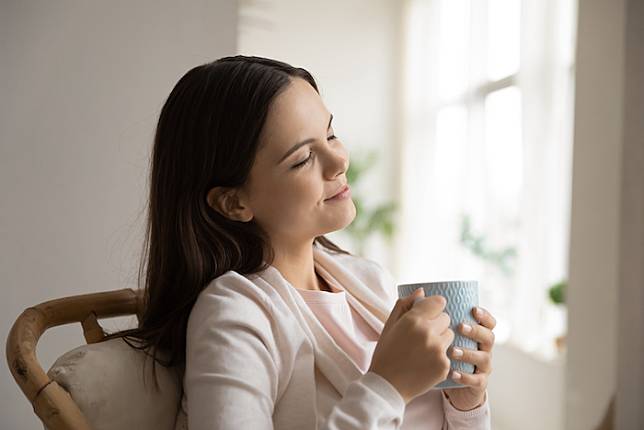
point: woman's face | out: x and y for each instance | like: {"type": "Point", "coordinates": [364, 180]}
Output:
{"type": "Point", "coordinates": [289, 183]}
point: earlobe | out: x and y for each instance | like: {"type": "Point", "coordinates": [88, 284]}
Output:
{"type": "Point", "coordinates": [225, 201]}
{"type": "Point", "coordinates": [213, 197]}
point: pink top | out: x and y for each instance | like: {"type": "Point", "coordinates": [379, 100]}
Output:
{"type": "Point", "coordinates": [335, 311]}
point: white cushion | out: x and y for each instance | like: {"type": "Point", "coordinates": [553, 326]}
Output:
{"type": "Point", "coordinates": [107, 382]}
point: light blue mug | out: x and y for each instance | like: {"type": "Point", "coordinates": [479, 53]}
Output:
{"type": "Point", "coordinates": [462, 297]}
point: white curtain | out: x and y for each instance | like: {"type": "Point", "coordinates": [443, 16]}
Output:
{"type": "Point", "coordinates": [486, 153]}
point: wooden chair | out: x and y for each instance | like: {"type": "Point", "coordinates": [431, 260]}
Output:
{"type": "Point", "coordinates": [52, 403]}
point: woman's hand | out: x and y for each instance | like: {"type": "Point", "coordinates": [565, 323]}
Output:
{"type": "Point", "coordinates": [411, 352]}
{"type": "Point", "coordinates": [471, 396]}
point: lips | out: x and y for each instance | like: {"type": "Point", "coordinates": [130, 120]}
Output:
{"type": "Point", "coordinates": [342, 189]}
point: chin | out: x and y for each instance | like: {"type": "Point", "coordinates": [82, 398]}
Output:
{"type": "Point", "coordinates": [340, 222]}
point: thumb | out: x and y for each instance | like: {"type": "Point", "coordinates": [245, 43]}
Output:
{"type": "Point", "coordinates": [402, 305]}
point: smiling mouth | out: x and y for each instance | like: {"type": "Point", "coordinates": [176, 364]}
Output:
{"type": "Point", "coordinates": [342, 190]}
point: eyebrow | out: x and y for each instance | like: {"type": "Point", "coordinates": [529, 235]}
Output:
{"type": "Point", "coordinates": [302, 143]}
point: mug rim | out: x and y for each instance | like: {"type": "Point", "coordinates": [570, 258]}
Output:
{"type": "Point", "coordinates": [458, 281]}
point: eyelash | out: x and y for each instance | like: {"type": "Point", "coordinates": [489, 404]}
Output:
{"type": "Point", "coordinates": [303, 163]}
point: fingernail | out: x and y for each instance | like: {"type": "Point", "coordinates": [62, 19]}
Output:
{"type": "Point", "coordinates": [456, 375]}
{"type": "Point", "coordinates": [478, 312]}
{"type": "Point", "coordinates": [467, 328]}
{"type": "Point", "coordinates": [456, 352]}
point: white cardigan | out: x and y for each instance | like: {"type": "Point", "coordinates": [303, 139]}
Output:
{"type": "Point", "coordinates": [258, 358]}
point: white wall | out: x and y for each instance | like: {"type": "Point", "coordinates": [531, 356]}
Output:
{"type": "Point", "coordinates": [592, 297]}
{"type": "Point", "coordinates": [82, 84]}
{"type": "Point", "coordinates": [630, 372]}
{"type": "Point", "coordinates": [352, 49]}
{"type": "Point", "coordinates": [594, 228]}
{"type": "Point", "coordinates": [526, 392]}
{"type": "Point", "coordinates": [606, 252]}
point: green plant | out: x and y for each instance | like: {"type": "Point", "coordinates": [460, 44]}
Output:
{"type": "Point", "coordinates": [503, 258]}
{"type": "Point", "coordinates": [368, 221]}
{"type": "Point", "coordinates": [557, 293]}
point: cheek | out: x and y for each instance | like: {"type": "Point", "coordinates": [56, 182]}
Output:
{"type": "Point", "coordinates": [290, 197]}
{"type": "Point", "coordinates": [302, 193]}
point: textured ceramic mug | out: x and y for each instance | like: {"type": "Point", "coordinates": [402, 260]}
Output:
{"type": "Point", "coordinates": [462, 297]}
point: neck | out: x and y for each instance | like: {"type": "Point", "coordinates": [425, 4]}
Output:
{"type": "Point", "coordinates": [298, 268]}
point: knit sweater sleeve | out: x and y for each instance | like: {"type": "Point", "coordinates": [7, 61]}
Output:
{"type": "Point", "coordinates": [232, 361]}
{"type": "Point", "coordinates": [370, 403]}
{"type": "Point", "coordinates": [475, 419]}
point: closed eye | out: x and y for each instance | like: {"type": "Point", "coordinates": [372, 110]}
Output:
{"type": "Point", "coordinates": [311, 155]}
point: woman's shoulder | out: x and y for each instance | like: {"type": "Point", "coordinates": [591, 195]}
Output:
{"type": "Point", "coordinates": [233, 317]}
{"type": "Point", "coordinates": [231, 293]}
{"type": "Point", "coordinates": [234, 300]}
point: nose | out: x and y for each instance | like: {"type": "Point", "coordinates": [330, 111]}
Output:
{"type": "Point", "coordinates": [338, 163]}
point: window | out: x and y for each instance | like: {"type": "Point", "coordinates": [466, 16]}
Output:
{"type": "Point", "coordinates": [487, 147]}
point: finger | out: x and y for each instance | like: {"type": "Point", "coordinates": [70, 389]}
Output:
{"type": "Point", "coordinates": [484, 317]}
{"type": "Point", "coordinates": [406, 303]}
{"type": "Point", "coordinates": [448, 338]}
{"type": "Point", "coordinates": [443, 321]}
{"type": "Point", "coordinates": [430, 307]}
{"type": "Point", "coordinates": [476, 380]}
{"type": "Point", "coordinates": [402, 305]}
{"type": "Point", "coordinates": [483, 335]}
{"type": "Point", "coordinates": [419, 294]}
{"type": "Point", "coordinates": [440, 324]}
{"type": "Point", "coordinates": [481, 359]}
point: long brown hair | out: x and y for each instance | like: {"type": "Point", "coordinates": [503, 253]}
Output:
{"type": "Point", "coordinates": [207, 135]}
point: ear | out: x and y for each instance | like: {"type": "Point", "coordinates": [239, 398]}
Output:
{"type": "Point", "coordinates": [227, 202]}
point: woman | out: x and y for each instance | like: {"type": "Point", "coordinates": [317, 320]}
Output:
{"type": "Point", "coordinates": [278, 327]}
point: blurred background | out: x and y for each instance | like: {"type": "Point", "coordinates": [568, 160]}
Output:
{"type": "Point", "coordinates": [497, 140]}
